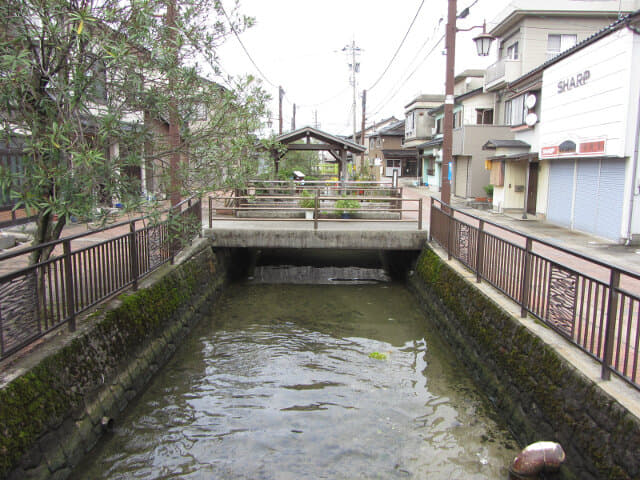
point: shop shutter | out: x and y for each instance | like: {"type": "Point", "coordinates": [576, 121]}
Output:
{"type": "Point", "coordinates": [610, 199]}
{"type": "Point", "coordinates": [586, 203]}
{"type": "Point", "coordinates": [560, 192]}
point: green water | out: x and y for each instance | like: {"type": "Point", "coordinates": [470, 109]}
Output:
{"type": "Point", "coordinates": [278, 383]}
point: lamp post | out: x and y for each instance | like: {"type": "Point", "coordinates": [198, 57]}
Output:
{"type": "Point", "coordinates": [483, 43]}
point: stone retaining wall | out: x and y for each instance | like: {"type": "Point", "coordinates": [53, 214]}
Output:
{"type": "Point", "coordinates": [51, 416]}
{"type": "Point", "coordinates": [538, 393]}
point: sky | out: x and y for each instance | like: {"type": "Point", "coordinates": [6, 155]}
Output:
{"type": "Point", "coordinates": [298, 44]}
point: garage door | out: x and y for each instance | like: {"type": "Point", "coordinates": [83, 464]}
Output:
{"type": "Point", "coordinates": [560, 192]}
{"type": "Point", "coordinates": [599, 197]}
{"type": "Point", "coordinates": [461, 177]}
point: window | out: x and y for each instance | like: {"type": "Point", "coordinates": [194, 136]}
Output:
{"type": "Point", "coordinates": [496, 177]}
{"type": "Point", "coordinates": [439, 125]}
{"type": "Point", "coordinates": [409, 125]}
{"type": "Point", "coordinates": [559, 43]}
{"type": "Point", "coordinates": [484, 116]}
{"type": "Point", "coordinates": [512, 51]}
{"type": "Point", "coordinates": [457, 119]}
{"type": "Point", "coordinates": [515, 111]}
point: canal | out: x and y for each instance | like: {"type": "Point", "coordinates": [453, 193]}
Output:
{"type": "Point", "coordinates": [308, 372]}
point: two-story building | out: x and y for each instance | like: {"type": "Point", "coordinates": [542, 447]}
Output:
{"type": "Point", "coordinates": [528, 36]}
{"type": "Point", "coordinates": [473, 123]}
{"type": "Point", "coordinates": [419, 128]}
{"type": "Point", "coordinates": [385, 149]}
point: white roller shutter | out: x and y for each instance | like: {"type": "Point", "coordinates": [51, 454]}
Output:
{"type": "Point", "coordinates": [610, 199]}
{"type": "Point", "coordinates": [560, 192]}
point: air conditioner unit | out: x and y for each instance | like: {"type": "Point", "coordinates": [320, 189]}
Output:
{"type": "Point", "coordinates": [434, 130]}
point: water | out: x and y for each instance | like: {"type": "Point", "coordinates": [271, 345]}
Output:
{"type": "Point", "coordinates": [279, 383]}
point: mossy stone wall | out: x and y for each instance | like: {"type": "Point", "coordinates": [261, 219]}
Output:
{"type": "Point", "coordinates": [53, 415]}
{"type": "Point", "coordinates": [539, 394]}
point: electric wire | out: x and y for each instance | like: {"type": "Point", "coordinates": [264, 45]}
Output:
{"type": "Point", "coordinates": [233, 29]}
{"type": "Point", "coordinates": [386, 102]}
{"type": "Point", "coordinates": [399, 47]}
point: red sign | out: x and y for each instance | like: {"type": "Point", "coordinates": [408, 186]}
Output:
{"type": "Point", "coordinates": [549, 151]}
{"type": "Point", "coordinates": [592, 147]}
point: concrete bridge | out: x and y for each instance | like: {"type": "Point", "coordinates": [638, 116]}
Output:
{"type": "Point", "coordinates": [350, 234]}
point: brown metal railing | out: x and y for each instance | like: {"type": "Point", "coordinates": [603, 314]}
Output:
{"type": "Point", "coordinates": [37, 299]}
{"type": "Point", "coordinates": [325, 208]}
{"type": "Point", "coordinates": [594, 305]}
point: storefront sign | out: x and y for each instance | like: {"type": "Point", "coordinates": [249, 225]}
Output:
{"type": "Point", "coordinates": [573, 82]}
{"type": "Point", "coordinates": [569, 148]}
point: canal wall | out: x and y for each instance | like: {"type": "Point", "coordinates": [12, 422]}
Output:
{"type": "Point", "coordinates": [538, 393]}
{"type": "Point", "coordinates": [53, 414]}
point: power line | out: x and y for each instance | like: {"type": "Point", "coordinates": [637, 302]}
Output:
{"type": "Point", "coordinates": [399, 47]}
{"type": "Point", "coordinates": [233, 29]}
{"type": "Point", "coordinates": [384, 104]}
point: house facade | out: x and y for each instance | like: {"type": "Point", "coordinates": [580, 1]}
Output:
{"type": "Point", "coordinates": [528, 39]}
{"type": "Point", "coordinates": [385, 149]}
{"type": "Point", "coordinates": [419, 128]}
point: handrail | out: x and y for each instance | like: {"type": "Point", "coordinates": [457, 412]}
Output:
{"type": "Point", "coordinates": [601, 317]}
{"type": "Point", "coordinates": [40, 298]}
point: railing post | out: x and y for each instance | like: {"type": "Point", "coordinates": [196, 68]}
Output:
{"type": "Point", "coordinates": [210, 212]}
{"type": "Point", "coordinates": [133, 254]}
{"type": "Point", "coordinates": [480, 252]}
{"type": "Point", "coordinates": [68, 281]}
{"type": "Point", "coordinates": [450, 226]}
{"type": "Point", "coordinates": [199, 217]}
{"type": "Point", "coordinates": [316, 213]}
{"type": "Point", "coordinates": [420, 214]}
{"type": "Point", "coordinates": [612, 307]}
{"type": "Point", "coordinates": [525, 285]}
{"type": "Point", "coordinates": [431, 217]}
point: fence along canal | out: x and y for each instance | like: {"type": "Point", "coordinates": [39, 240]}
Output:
{"type": "Point", "coordinates": [594, 305]}
{"type": "Point", "coordinates": [38, 299]}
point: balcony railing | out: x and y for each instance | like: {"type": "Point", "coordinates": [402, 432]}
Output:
{"type": "Point", "coordinates": [504, 70]}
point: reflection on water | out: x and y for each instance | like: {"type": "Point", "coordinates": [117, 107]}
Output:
{"type": "Point", "coordinates": [279, 384]}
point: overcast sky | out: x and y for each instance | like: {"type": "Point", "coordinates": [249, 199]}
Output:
{"type": "Point", "coordinates": [299, 44]}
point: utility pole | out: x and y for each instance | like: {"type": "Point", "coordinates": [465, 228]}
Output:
{"type": "Point", "coordinates": [293, 119]}
{"type": "Point", "coordinates": [364, 115]}
{"type": "Point", "coordinates": [315, 124]}
{"type": "Point", "coordinates": [280, 95]}
{"type": "Point", "coordinates": [447, 137]}
{"type": "Point", "coordinates": [354, 67]}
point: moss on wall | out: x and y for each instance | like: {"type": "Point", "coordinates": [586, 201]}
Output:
{"type": "Point", "coordinates": [68, 381]}
{"type": "Point", "coordinates": [538, 393]}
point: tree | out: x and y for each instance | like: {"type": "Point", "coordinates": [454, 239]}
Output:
{"type": "Point", "coordinates": [87, 87]}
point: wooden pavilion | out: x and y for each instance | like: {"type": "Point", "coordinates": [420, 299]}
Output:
{"type": "Point", "coordinates": [337, 147]}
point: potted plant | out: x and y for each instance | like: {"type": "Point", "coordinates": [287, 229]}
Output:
{"type": "Point", "coordinates": [489, 191]}
{"type": "Point", "coordinates": [346, 205]}
{"type": "Point", "coordinates": [308, 201]}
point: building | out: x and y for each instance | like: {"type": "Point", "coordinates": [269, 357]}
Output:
{"type": "Point", "coordinates": [385, 148]}
{"type": "Point", "coordinates": [531, 35]}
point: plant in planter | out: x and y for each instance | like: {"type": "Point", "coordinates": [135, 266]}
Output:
{"type": "Point", "coordinates": [308, 201]}
{"type": "Point", "coordinates": [488, 189]}
{"type": "Point", "coordinates": [346, 205]}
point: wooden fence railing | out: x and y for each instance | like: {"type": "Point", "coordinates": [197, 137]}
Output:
{"type": "Point", "coordinates": [594, 305]}
{"type": "Point", "coordinates": [82, 272]}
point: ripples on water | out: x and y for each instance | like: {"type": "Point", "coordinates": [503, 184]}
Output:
{"type": "Point", "coordinates": [278, 384]}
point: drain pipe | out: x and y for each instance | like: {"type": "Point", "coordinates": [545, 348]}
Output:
{"type": "Point", "coordinates": [634, 169]}
{"type": "Point", "coordinates": [536, 458]}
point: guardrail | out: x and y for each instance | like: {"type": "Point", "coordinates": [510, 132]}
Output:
{"type": "Point", "coordinates": [594, 305]}
{"type": "Point", "coordinates": [40, 298]}
{"type": "Point", "coordinates": [325, 208]}
{"type": "Point", "coordinates": [291, 187]}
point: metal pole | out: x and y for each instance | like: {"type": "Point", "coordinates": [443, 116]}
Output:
{"type": "Point", "coordinates": [68, 283]}
{"type": "Point", "coordinates": [447, 139]}
{"type": "Point", "coordinates": [280, 95]}
{"type": "Point", "coordinates": [353, 78]}
{"type": "Point", "coordinates": [612, 307]}
{"type": "Point", "coordinates": [480, 252]}
{"type": "Point", "coordinates": [525, 286]}
{"type": "Point", "coordinates": [174, 132]}
{"type": "Point", "coordinates": [133, 254]}
{"type": "Point", "coordinates": [420, 214]}
{"type": "Point", "coordinates": [364, 112]}
{"type": "Point", "coordinates": [316, 205]}
{"type": "Point", "coordinates": [431, 216]}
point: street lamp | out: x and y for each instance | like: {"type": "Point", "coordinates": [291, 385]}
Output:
{"type": "Point", "coordinates": [483, 43]}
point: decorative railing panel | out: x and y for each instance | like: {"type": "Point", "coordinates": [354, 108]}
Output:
{"type": "Point", "coordinates": [39, 298]}
{"type": "Point", "coordinates": [580, 297]}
